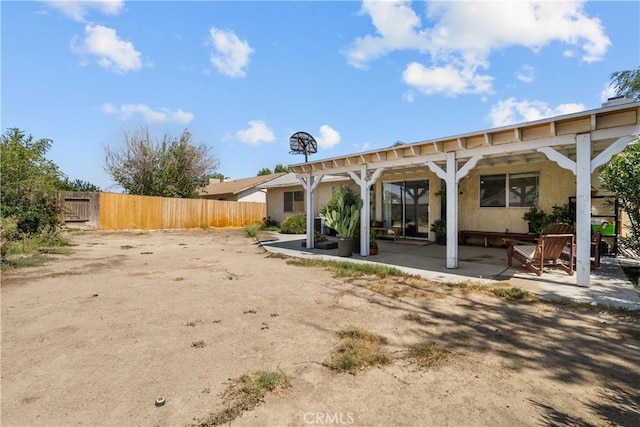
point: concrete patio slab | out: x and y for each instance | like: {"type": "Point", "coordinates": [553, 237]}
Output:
{"type": "Point", "coordinates": [609, 285]}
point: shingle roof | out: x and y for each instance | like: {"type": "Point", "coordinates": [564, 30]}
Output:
{"type": "Point", "coordinates": [290, 179]}
{"type": "Point", "coordinates": [236, 186]}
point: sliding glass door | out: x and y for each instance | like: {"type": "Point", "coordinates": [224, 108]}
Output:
{"type": "Point", "coordinates": [405, 205]}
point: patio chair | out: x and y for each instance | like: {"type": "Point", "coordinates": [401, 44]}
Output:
{"type": "Point", "coordinates": [596, 247]}
{"type": "Point", "coordinates": [548, 251]}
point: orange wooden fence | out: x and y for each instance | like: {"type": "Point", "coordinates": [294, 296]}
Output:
{"type": "Point", "coordinates": [125, 211]}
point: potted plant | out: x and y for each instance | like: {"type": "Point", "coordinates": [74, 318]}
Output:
{"type": "Point", "coordinates": [373, 244]}
{"type": "Point", "coordinates": [342, 192]}
{"type": "Point", "coordinates": [344, 219]}
{"type": "Point", "coordinates": [536, 218]}
{"type": "Point", "coordinates": [439, 228]}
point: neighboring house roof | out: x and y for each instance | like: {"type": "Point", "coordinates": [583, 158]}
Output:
{"type": "Point", "coordinates": [290, 180]}
{"type": "Point", "coordinates": [237, 186]}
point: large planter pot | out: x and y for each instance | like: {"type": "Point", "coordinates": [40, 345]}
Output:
{"type": "Point", "coordinates": [441, 240]}
{"type": "Point", "coordinates": [345, 247]}
{"type": "Point", "coordinates": [373, 250]}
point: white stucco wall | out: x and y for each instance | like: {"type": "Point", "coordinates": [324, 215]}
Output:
{"type": "Point", "coordinates": [252, 195]}
{"type": "Point", "coordinates": [323, 193]}
{"type": "Point", "coordinates": [555, 186]}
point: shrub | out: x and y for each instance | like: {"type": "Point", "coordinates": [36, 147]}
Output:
{"type": "Point", "coordinates": [269, 223]}
{"type": "Point", "coordinates": [253, 229]}
{"type": "Point", "coordinates": [30, 182]}
{"type": "Point", "coordinates": [8, 232]}
{"type": "Point", "coordinates": [9, 228]}
{"type": "Point", "coordinates": [621, 176]}
{"type": "Point", "coordinates": [295, 224]}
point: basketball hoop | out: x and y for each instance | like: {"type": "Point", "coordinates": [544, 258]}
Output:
{"type": "Point", "coordinates": [302, 143]}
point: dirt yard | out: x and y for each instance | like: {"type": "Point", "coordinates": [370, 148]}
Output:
{"type": "Point", "coordinates": [94, 338]}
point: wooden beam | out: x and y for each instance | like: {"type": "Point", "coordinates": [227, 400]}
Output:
{"type": "Point", "coordinates": [560, 159]}
{"type": "Point", "coordinates": [462, 143]}
{"type": "Point", "coordinates": [464, 170]}
{"type": "Point", "coordinates": [517, 134]}
{"type": "Point", "coordinates": [488, 139]}
{"type": "Point", "coordinates": [612, 150]}
{"type": "Point", "coordinates": [552, 128]}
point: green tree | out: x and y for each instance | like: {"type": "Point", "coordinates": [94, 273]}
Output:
{"type": "Point", "coordinates": [206, 178]}
{"type": "Point", "coordinates": [78, 185]}
{"type": "Point", "coordinates": [218, 175]}
{"type": "Point", "coordinates": [171, 167]}
{"type": "Point", "coordinates": [281, 168]}
{"type": "Point", "coordinates": [627, 83]}
{"type": "Point", "coordinates": [30, 182]}
{"type": "Point", "coordinates": [622, 177]}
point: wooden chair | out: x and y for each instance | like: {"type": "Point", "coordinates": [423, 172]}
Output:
{"type": "Point", "coordinates": [596, 239]}
{"type": "Point", "coordinates": [547, 251]}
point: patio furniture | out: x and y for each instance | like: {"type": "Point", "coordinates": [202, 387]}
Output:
{"type": "Point", "coordinates": [548, 251]}
{"type": "Point", "coordinates": [385, 231]}
{"type": "Point", "coordinates": [596, 251]}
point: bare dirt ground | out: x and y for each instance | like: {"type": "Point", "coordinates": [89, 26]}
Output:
{"type": "Point", "coordinates": [94, 338]}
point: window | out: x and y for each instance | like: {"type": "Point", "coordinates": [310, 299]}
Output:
{"type": "Point", "coordinates": [294, 201]}
{"type": "Point", "coordinates": [521, 189]}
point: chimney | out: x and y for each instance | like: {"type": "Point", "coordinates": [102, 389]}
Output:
{"type": "Point", "coordinates": [616, 100]}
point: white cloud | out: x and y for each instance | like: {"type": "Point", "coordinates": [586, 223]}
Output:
{"type": "Point", "coordinates": [328, 137]}
{"type": "Point", "coordinates": [257, 132]}
{"type": "Point", "coordinates": [510, 111]}
{"type": "Point", "coordinates": [397, 26]}
{"type": "Point", "coordinates": [409, 96]}
{"type": "Point", "coordinates": [462, 35]}
{"type": "Point", "coordinates": [481, 27]}
{"type": "Point", "coordinates": [113, 53]}
{"type": "Point", "coordinates": [526, 74]}
{"type": "Point", "coordinates": [77, 10]}
{"type": "Point", "coordinates": [448, 79]}
{"type": "Point", "coordinates": [163, 115]}
{"type": "Point", "coordinates": [609, 91]}
{"type": "Point", "coordinates": [231, 55]}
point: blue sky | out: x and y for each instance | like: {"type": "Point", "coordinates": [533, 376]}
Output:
{"type": "Point", "coordinates": [243, 76]}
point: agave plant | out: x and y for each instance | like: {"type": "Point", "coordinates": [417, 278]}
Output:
{"type": "Point", "coordinates": [344, 218]}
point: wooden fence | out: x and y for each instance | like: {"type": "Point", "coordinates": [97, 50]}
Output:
{"type": "Point", "coordinates": [124, 211]}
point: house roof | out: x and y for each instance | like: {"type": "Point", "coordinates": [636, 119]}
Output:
{"type": "Point", "coordinates": [290, 179]}
{"type": "Point", "coordinates": [236, 186]}
{"type": "Point", "coordinates": [518, 143]}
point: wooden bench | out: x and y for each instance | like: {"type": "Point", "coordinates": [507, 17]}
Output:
{"type": "Point", "coordinates": [385, 231]}
{"type": "Point", "coordinates": [465, 235]}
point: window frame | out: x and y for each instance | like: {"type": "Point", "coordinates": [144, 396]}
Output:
{"type": "Point", "coordinates": [508, 176]}
{"type": "Point", "coordinates": [293, 201]}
